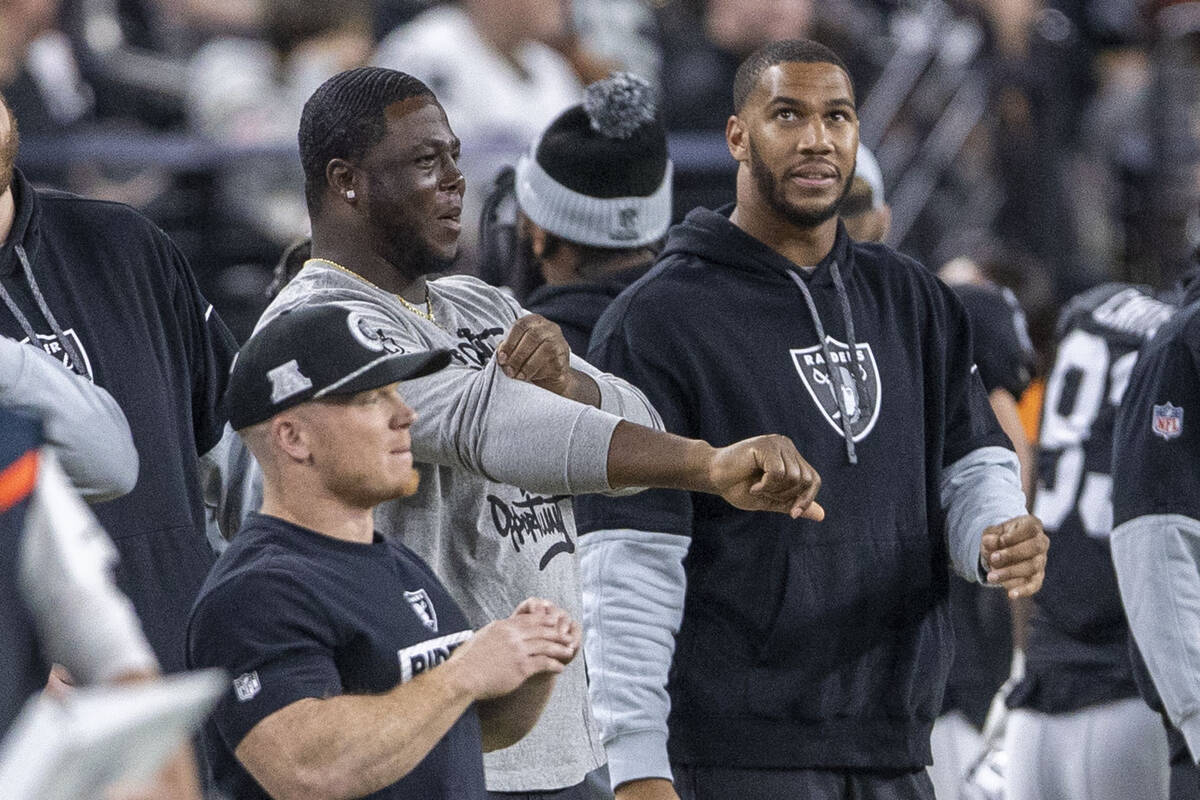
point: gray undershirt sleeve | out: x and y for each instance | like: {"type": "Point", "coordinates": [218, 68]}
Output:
{"type": "Point", "coordinates": [84, 622]}
{"type": "Point", "coordinates": [633, 593]}
{"type": "Point", "coordinates": [981, 489]}
{"type": "Point", "coordinates": [80, 420]}
{"type": "Point", "coordinates": [1158, 570]}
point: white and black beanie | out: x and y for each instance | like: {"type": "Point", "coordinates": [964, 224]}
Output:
{"type": "Point", "coordinates": [599, 175]}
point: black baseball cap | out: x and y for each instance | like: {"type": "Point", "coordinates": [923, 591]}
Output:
{"type": "Point", "coordinates": [311, 352]}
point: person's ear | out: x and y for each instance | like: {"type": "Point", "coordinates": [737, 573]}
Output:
{"type": "Point", "coordinates": [737, 138]}
{"type": "Point", "coordinates": [290, 437]}
{"type": "Point", "coordinates": [343, 179]}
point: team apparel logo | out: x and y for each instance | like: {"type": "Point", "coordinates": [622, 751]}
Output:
{"type": "Point", "coordinates": [50, 343]}
{"type": "Point", "coordinates": [287, 380]}
{"type": "Point", "coordinates": [861, 396]}
{"type": "Point", "coordinates": [246, 686]}
{"type": "Point", "coordinates": [428, 654]}
{"type": "Point", "coordinates": [371, 334]}
{"type": "Point", "coordinates": [1167, 421]}
{"type": "Point", "coordinates": [422, 606]}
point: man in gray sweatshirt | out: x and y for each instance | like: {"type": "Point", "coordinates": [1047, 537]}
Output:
{"type": "Point", "coordinates": [515, 425]}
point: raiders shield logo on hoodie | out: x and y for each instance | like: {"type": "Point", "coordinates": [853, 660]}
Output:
{"type": "Point", "coordinates": [859, 384]}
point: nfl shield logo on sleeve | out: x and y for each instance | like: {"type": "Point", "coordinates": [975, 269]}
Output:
{"type": "Point", "coordinates": [246, 686]}
{"type": "Point", "coordinates": [1167, 421]}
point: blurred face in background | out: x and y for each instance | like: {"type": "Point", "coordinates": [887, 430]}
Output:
{"type": "Point", "coordinates": [8, 145]}
{"type": "Point", "coordinates": [742, 26]}
{"type": "Point", "coordinates": [540, 20]}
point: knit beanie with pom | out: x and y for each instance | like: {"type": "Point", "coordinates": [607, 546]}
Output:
{"type": "Point", "coordinates": [599, 175]}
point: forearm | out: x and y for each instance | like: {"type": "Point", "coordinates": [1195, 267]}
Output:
{"type": "Point", "coordinates": [1157, 559]}
{"type": "Point", "coordinates": [505, 720]}
{"type": "Point", "coordinates": [620, 397]}
{"type": "Point", "coordinates": [640, 456]}
{"type": "Point", "coordinates": [582, 388]}
{"type": "Point", "coordinates": [352, 745]}
{"type": "Point", "coordinates": [1004, 405]}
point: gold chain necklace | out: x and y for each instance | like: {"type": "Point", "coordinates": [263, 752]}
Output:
{"type": "Point", "coordinates": [427, 314]}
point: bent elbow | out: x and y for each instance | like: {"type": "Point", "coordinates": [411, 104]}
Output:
{"type": "Point", "coordinates": [116, 477]}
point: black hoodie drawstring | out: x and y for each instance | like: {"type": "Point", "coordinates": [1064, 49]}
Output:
{"type": "Point", "coordinates": [831, 368]}
{"type": "Point", "coordinates": [76, 359]}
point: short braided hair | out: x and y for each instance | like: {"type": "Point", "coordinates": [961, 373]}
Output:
{"type": "Point", "coordinates": [782, 52]}
{"type": "Point", "coordinates": [344, 119]}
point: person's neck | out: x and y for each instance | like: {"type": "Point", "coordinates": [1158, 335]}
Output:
{"type": "Point", "coordinates": [580, 268]}
{"type": "Point", "coordinates": [317, 510]}
{"type": "Point", "coordinates": [8, 213]}
{"type": "Point", "coordinates": [372, 268]}
{"type": "Point", "coordinates": [804, 247]}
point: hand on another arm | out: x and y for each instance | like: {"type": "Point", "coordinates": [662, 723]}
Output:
{"type": "Point", "coordinates": [536, 352]}
{"type": "Point", "coordinates": [352, 745]}
{"type": "Point", "coordinates": [549, 632]}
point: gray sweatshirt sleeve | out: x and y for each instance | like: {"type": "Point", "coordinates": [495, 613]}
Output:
{"type": "Point", "coordinates": [982, 488]}
{"type": "Point", "coordinates": [232, 485]}
{"type": "Point", "coordinates": [509, 431]}
{"type": "Point", "coordinates": [1158, 570]}
{"type": "Point", "coordinates": [620, 397]}
{"type": "Point", "coordinates": [65, 566]}
{"type": "Point", "coordinates": [633, 591]}
{"type": "Point", "coordinates": [80, 420]}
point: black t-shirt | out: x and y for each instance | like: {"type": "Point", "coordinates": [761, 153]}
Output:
{"type": "Point", "coordinates": [291, 614]}
{"type": "Point", "coordinates": [1077, 653]}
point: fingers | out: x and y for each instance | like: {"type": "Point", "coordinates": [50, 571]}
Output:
{"type": "Point", "coordinates": [1015, 552]}
{"type": "Point", "coordinates": [789, 481]}
{"type": "Point", "coordinates": [812, 511]}
{"type": "Point", "coordinates": [543, 618]}
{"type": "Point", "coordinates": [534, 350]}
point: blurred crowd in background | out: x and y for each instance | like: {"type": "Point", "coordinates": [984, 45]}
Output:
{"type": "Point", "coordinates": [1056, 143]}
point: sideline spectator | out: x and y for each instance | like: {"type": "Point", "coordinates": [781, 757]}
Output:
{"type": "Point", "coordinates": [97, 285]}
{"type": "Point", "coordinates": [320, 704]}
{"type": "Point", "coordinates": [515, 425]}
{"type": "Point", "coordinates": [1156, 528]}
{"type": "Point", "coordinates": [1077, 727]}
{"type": "Point", "coordinates": [594, 196]}
{"type": "Point", "coordinates": [57, 598]}
{"type": "Point", "coordinates": [809, 661]}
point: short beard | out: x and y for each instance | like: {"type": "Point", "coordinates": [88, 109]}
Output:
{"type": "Point", "coordinates": [408, 252]}
{"type": "Point", "coordinates": [771, 191]}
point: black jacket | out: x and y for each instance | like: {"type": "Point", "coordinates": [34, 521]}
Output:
{"type": "Point", "coordinates": [134, 321]}
{"type": "Point", "coordinates": [803, 644]}
{"type": "Point", "coordinates": [577, 306]}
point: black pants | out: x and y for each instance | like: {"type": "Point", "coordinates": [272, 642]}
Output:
{"type": "Point", "coordinates": [724, 783]}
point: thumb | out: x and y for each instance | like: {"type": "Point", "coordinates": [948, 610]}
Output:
{"type": "Point", "coordinates": [814, 511]}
